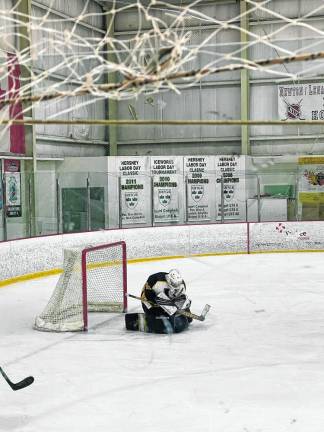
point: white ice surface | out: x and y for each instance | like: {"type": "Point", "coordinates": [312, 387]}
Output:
{"type": "Point", "coordinates": [255, 365]}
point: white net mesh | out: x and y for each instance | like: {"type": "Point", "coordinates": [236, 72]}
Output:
{"type": "Point", "coordinates": [105, 280]}
{"type": "Point", "coordinates": [64, 311]}
{"type": "Point", "coordinates": [105, 288]}
{"type": "Point", "coordinates": [78, 51]}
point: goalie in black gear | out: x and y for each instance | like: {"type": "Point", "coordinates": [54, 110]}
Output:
{"type": "Point", "coordinates": [163, 295]}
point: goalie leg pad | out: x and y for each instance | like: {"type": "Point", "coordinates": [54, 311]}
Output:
{"type": "Point", "coordinates": [167, 325]}
{"type": "Point", "coordinates": [144, 323]}
{"type": "Point", "coordinates": [180, 323]}
{"type": "Point", "coordinates": [156, 324]}
{"type": "Point", "coordinates": [136, 321]}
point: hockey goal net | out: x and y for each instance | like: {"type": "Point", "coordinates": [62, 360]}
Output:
{"type": "Point", "coordinates": [94, 279]}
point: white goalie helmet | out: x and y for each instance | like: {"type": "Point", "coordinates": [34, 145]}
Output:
{"type": "Point", "coordinates": [174, 278]}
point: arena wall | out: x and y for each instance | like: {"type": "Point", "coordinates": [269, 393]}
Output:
{"type": "Point", "coordinates": [41, 256]}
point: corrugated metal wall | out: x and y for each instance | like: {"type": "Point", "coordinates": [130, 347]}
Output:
{"type": "Point", "coordinates": [67, 140]}
{"type": "Point", "coordinates": [281, 140]}
{"type": "Point", "coordinates": [219, 96]}
{"type": "Point", "coordinates": [9, 40]}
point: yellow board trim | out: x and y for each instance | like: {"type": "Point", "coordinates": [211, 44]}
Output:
{"type": "Point", "coordinates": [158, 258]}
{"type": "Point", "coordinates": [29, 276]}
{"type": "Point", "coordinates": [56, 271]}
{"type": "Point", "coordinates": [309, 160]}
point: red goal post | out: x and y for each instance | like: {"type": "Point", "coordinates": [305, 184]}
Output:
{"type": "Point", "coordinates": [88, 265]}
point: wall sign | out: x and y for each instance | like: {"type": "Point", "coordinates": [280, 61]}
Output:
{"type": "Point", "coordinates": [231, 169]}
{"type": "Point", "coordinates": [165, 172]}
{"type": "Point", "coordinates": [200, 185]}
{"type": "Point", "coordinates": [12, 187]}
{"type": "Point", "coordinates": [311, 180]}
{"type": "Point", "coordinates": [301, 101]}
{"type": "Point", "coordinates": [134, 189]}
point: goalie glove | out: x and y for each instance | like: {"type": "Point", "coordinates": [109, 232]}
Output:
{"type": "Point", "coordinates": [182, 302]}
{"type": "Point", "coordinates": [171, 306]}
{"type": "Point", "coordinates": [166, 303]}
{"type": "Point", "coordinates": [175, 293]}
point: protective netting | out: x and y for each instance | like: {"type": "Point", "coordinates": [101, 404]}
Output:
{"type": "Point", "coordinates": [105, 279]}
{"type": "Point", "coordinates": [102, 277]}
{"type": "Point", "coordinates": [82, 50]}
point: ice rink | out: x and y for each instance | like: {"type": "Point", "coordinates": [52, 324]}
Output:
{"type": "Point", "coordinates": [255, 365]}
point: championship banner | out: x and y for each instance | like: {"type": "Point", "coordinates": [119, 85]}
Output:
{"type": "Point", "coordinates": [134, 189]}
{"type": "Point", "coordinates": [166, 176]}
{"type": "Point", "coordinates": [301, 102]}
{"type": "Point", "coordinates": [200, 187]}
{"type": "Point", "coordinates": [12, 188]}
{"type": "Point", "coordinates": [231, 169]}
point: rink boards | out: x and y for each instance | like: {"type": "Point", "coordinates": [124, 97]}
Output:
{"type": "Point", "coordinates": [40, 256]}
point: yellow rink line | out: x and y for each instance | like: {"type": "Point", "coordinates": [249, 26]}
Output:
{"type": "Point", "coordinates": [286, 251]}
{"type": "Point", "coordinates": [55, 271]}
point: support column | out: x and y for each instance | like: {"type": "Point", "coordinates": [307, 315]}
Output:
{"type": "Point", "coordinates": [111, 104]}
{"type": "Point", "coordinates": [245, 81]}
{"type": "Point", "coordinates": [23, 43]}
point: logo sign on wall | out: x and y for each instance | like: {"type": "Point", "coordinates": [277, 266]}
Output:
{"type": "Point", "coordinates": [165, 196]}
{"type": "Point", "coordinates": [200, 200]}
{"type": "Point", "coordinates": [165, 189]}
{"type": "Point", "coordinates": [197, 192]}
{"type": "Point", "coordinates": [311, 180]}
{"type": "Point", "coordinates": [131, 200]}
{"type": "Point", "coordinates": [12, 188]}
{"type": "Point", "coordinates": [228, 192]}
{"type": "Point", "coordinates": [301, 102]}
{"type": "Point", "coordinates": [134, 188]}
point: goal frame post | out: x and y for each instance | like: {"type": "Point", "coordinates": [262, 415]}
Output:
{"type": "Point", "coordinates": [84, 255]}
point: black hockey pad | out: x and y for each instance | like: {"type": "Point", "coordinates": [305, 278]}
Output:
{"type": "Point", "coordinates": [180, 323]}
{"type": "Point", "coordinates": [159, 324]}
{"type": "Point", "coordinates": [132, 321]}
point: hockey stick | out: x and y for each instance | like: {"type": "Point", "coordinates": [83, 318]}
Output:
{"type": "Point", "coordinates": [19, 385]}
{"type": "Point", "coordinates": [200, 317]}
